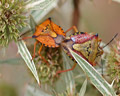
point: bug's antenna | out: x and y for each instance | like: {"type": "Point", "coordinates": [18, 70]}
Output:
{"type": "Point", "coordinates": [110, 40]}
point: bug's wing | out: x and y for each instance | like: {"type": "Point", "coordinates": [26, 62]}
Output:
{"type": "Point", "coordinates": [81, 37]}
{"type": "Point", "coordinates": [57, 29]}
{"type": "Point", "coordinates": [47, 40]}
{"type": "Point", "coordinates": [83, 48]}
{"type": "Point", "coordinates": [94, 49]}
{"type": "Point", "coordinates": [40, 28]}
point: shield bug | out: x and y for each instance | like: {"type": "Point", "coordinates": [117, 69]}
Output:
{"type": "Point", "coordinates": [84, 44]}
{"type": "Point", "coordinates": [49, 34]}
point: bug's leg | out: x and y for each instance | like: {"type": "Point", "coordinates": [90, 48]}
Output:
{"type": "Point", "coordinates": [41, 55]}
{"type": "Point", "coordinates": [61, 71]}
{"type": "Point", "coordinates": [24, 38]}
{"type": "Point", "coordinates": [34, 49]}
{"type": "Point", "coordinates": [73, 27]}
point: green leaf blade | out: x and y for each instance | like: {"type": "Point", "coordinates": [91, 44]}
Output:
{"type": "Point", "coordinates": [98, 81]}
{"type": "Point", "coordinates": [83, 88]}
{"type": "Point", "coordinates": [69, 78]}
{"type": "Point", "coordinates": [22, 49]}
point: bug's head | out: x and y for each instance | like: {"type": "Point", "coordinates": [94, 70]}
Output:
{"type": "Point", "coordinates": [99, 48]}
{"type": "Point", "coordinates": [100, 51]}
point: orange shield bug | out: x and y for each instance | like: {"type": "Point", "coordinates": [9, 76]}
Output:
{"type": "Point", "coordinates": [49, 34]}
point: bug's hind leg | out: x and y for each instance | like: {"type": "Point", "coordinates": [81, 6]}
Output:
{"type": "Point", "coordinates": [73, 27]}
{"type": "Point", "coordinates": [42, 56]}
{"type": "Point", "coordinates": [61, 71]}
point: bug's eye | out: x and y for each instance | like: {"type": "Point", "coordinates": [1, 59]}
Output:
{"type": "Point", "coordinates": [42, 30]}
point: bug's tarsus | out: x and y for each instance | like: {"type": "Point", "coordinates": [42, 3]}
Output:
{"type": "Point", "coordinates": [111, 40]}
